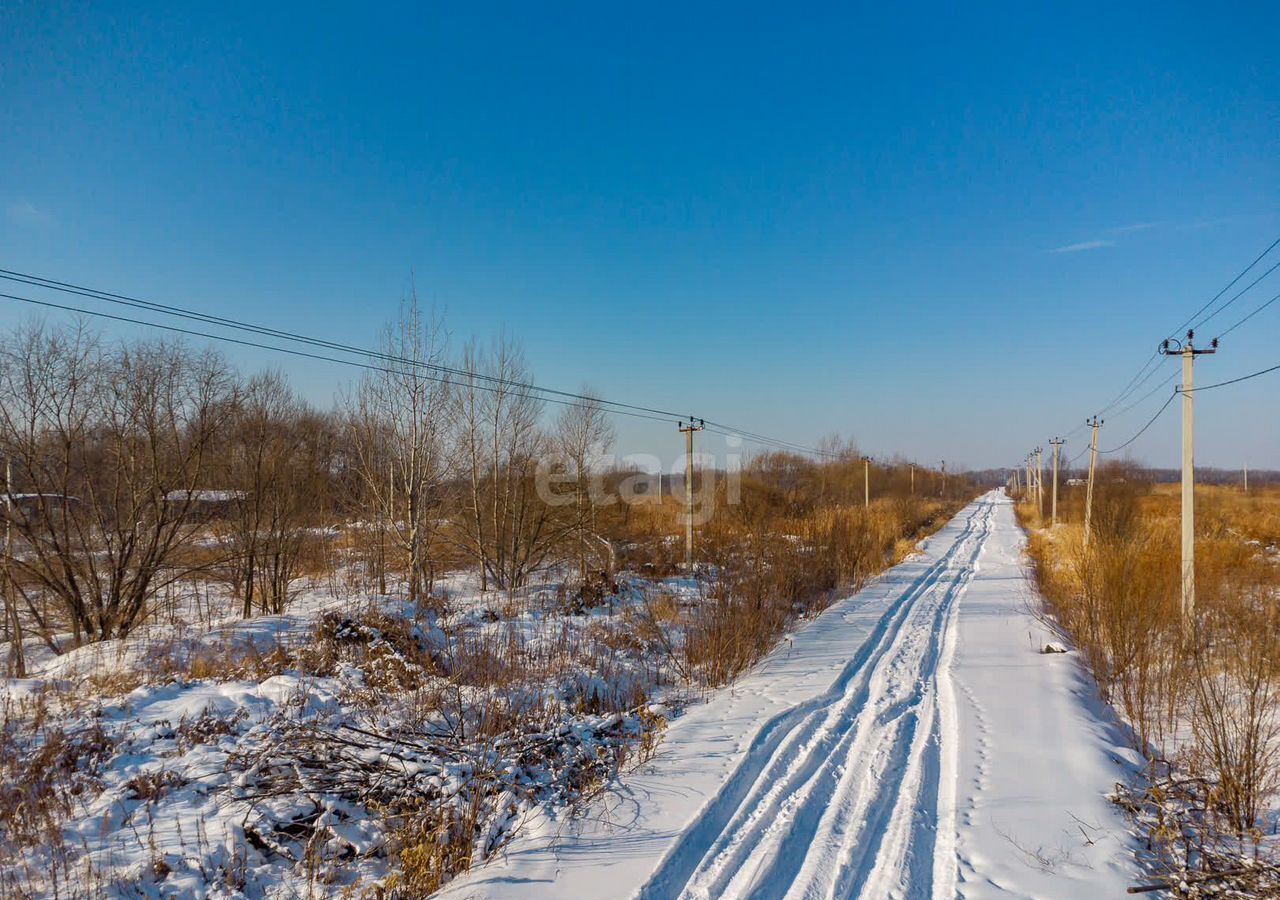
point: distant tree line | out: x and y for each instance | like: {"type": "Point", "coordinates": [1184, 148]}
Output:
{"type": "Point", "coordinates": [136, 465]}
{"type": "Point", "coordinates": [118, 451]}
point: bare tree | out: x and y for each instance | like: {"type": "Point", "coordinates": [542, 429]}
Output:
{"type": "Point", "coordinates": [583, 435]}
{"type": "Point", "coordinates": [275, 466]}
{"type": "Point", "coordinates": [506, 525]}
{"type": "Point", "coordinates": [398, 421]}
{"type": "Point", "coordinates": [471, 399]}
{"type": "Point", "coordinates": [298, 503]}
{"type": "Point", "coordinates": [110, 446]}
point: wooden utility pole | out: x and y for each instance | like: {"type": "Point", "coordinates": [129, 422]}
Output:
{"type": "Point", "coordinates": [1095, 423]}
{"type": "Point", "coordinates": [16, 655]}
{"type": "Point", "coordinates": [1056, 444]}
{"type": "Point", "coordinates": [1188, 352]}
{"type": "Point", "coordinates": [866, 481]}
{"type": "Point", "coordinates": [694, 425]}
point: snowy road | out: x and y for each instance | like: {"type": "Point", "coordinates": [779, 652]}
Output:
{"type": "Point", "coordinates": [908, 743]}
{"type": "Point", "coordinates": [840, 795]}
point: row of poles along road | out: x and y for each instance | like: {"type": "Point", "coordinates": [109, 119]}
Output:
{"type": "Point", "coordinates": [694, 424]}
{"type": "Point", "coordinates": [1035, 475]}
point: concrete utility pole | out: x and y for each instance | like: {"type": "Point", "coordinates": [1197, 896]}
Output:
{"type": "Point", "coordinates": [1039, 483]}
{"type": "Point", "coordinates": [16, 655]}
{"type": "Point", "coordinates": [1040, 477]}
{"type": "Point", "coordinates": [1031, 480]}
{"type": "Point", "coordinates": [913, 479]}
{"type": "Point", "coordinates": [387, 520]}
{"type": "Point", "coordinates": [944, 479]}
{"type": "Point", "coordinates": [866, 481]}
{"type": "Point", "coordinates": [1246, 478]}
{"type": "Point", "coordinates": [694, 425]}
{"type": "Point", "coordinates": [1188, 352]}
{"type": "Point", "coordinates": [1095, 423]}
{"type": "Point", "coordinates": [1056, 444]}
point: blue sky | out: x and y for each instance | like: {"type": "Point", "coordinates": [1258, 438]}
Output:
{"type": "Point", "coordinates": [949, 232]}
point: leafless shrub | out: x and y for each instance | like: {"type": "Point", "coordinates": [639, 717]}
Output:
{"type": "Point", "coordinates": [206, 728]}
{"type": "Point", "coordinates": [44, 771]}
{"type": "Point", "coordinates": [1235, 714]}
{"type": "Point", "coordinates": [153, 785]}
{"type": "Point", "coordinates": [1204, 702]}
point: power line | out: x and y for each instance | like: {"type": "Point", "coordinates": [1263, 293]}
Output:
{"type": "Point", "coordinates": [1209, 387]}
{"type": "Point", "coordinates": [1143, 398]}
{"type": "Point", "coordinates": [1142, 375]}
{"type": "Point", "coordinates": [1134, 382]}
{"type": "Point", "coordinates": [209, 318]}
{"type": "Point", "coordinates": [301, 353]}
{"type": "Point", "coordinates": [765, 441]}
{"type": "Point", "coordinates": [1142, 430]}
{"type": "Point", "coordinates": [1130, 391]}
{"type": "Point", "coordinates": [1230, 284]}
{"type": "Point", "coordinates": [1179, 390]}
{"type": "Point", "coordinates": [1078, 455]}
{"type": "Point", "coordinates": [1240, 294]}
{"type": "Point", "coordinates": [281, 334]}
{"type": "Point", "coordinates": [1130, 387]}
{"type": "Point", "coordinates": [1250, 316]}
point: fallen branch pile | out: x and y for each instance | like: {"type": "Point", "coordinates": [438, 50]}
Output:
{"type": "Point", "coordinates": [1188, 852]}
{"type": "Point", "coordinates": [320, 793]}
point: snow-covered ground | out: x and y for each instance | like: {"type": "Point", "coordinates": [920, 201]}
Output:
{"type": "Point", "coordinates": [911, 741]}
{"type": "Point", "coordinates": [159, 757]}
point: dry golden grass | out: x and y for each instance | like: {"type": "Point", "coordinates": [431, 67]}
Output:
{"type": "Point", "coordinates": [42, 780]}
{"type": "Point", "coordinates": [1225, 511]}
{"type": "Point", "coordinates": [771, 569]}
{"type": "Point", "coordinates": [1207, 699]}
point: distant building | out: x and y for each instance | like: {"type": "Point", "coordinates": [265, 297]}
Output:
{"type": "Point", "coordinates": [205, 505]}
{"type": "Point", "coordinates": [27, 505]}
{"type": "Point", "coordinates": [637, 485]}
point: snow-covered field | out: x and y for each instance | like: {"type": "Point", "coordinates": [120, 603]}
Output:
{"type": "Point", "coordinates": [277, 756]}
{"type": "Point", "coordinates": [911, 741]}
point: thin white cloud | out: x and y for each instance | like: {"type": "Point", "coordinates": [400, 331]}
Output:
{"type": "Point", "coordinates": [1129, 229]}
{"type": "Point", "coordinates": [1083, 245]}
{"type": "Point", "coordinates": [26, 214]}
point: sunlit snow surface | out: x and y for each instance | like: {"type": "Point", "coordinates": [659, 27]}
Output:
{"type": "Point", "coordinates": [911, 741]}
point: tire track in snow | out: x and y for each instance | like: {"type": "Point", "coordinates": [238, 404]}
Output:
{"type": "Point", "coordinates": [780, 744]}
{"type": "Point", "coordinates": [852, 792]}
